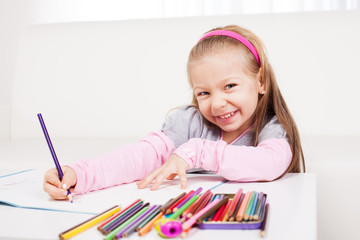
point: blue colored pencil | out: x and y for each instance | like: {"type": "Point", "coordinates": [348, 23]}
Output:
{"type": "Point", "coordinates": [253, 207]}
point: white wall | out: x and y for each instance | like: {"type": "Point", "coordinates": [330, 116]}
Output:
{"type": "Point", "coordinates": [15, 15]}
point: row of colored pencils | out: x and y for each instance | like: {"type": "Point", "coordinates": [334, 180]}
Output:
{"type": "Point", "coordinates": [248, 206]}
{"type": "Point", "coordinates": [190, 209]}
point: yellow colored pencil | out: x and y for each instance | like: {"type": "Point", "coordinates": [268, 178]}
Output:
{"type": "Point", "coordinates": [89, 223]}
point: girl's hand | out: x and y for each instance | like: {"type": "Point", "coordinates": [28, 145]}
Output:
{"type": "Point", "coordinates": [58, 189]}
{"type": "Point", "coordinates": [175, 165]}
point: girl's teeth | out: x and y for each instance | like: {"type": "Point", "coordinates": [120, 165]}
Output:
{"type": "Point", "coordinates": [227, 115]}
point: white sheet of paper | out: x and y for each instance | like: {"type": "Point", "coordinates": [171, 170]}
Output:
{"type": "Point", "coordinates": [26, 190]}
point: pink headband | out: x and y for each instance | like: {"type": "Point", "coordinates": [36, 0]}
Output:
{"type": "Point", "coordinates": [236, 36]}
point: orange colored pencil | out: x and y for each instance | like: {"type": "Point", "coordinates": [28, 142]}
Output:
{"type": "Point", "coordinates": [235, 200]}
{"type": "Point", "coordinates": [241, 212]}
{"type": "Point", "coordinates": [185, 233]}
{"type": "Point", "coordinates": [149, 225]}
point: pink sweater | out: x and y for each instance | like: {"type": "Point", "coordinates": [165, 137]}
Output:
{"type": "Point", "coordinates": [132, 162]}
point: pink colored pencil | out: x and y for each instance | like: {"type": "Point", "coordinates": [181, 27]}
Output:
{"type": "Point", "coordinates": [192, 220]}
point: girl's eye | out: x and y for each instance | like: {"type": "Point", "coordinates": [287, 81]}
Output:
{"type": "Point", "coordinates": [202, 94]}
{"type": "Point", "coordinates": [230, 86]}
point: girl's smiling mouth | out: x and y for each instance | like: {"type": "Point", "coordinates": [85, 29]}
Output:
{"type": "Point", "coordinates": [226, 116]}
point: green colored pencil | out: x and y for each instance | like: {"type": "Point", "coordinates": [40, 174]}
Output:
{"type": "Point", "coordinates": [249, 206]}
{"type": "Point", "coordinates": [122, 226]}
{"type": "Point", "coordinates": [184, 207]}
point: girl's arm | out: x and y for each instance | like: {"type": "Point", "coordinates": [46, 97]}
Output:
{"type": "Point", "coordinates": [267, 161]}
{"type": "Point", "coordinates": [129, 163]}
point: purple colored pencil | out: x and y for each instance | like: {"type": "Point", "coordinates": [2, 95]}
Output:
{"type": "Point", "coordinates": [106, 226]}
{"type": "Point", "coordinates": [188, 198]}
{"type": "Point", "coordinates": [262, 207]}
{"type": "Point", "coordinates": [52, 151]}
{"type": "Point", "coordinates": [148, 218]}
{"type": "Point", "coordinates": [132, 226]}
{"type": "Point", "coordinates": [124, 218]}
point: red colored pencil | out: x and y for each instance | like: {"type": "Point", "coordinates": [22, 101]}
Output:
{"type": "Point", "coordinates": [171, 209]}
{"type": "Point", "coordinates": [235, 201]}
{"type": "Point", "coordinates": [219, 212]}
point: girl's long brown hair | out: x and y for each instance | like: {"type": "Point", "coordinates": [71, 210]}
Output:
{"type": "Point", "coordinates": [271, 103]}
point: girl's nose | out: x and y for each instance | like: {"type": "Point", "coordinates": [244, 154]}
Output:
{"type": "Point", "coordinates": [218, 101]}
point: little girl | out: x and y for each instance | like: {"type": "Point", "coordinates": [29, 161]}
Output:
{"type": "Point", "coordinates": [238, 126]}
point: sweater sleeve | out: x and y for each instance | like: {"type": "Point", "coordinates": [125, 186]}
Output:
{"type": "Point", "coordinates": [267, 161]}
{"type": "Point", "coordinates": [128, 163]}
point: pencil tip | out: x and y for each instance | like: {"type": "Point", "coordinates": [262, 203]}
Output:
{"type": "Point", "coordinates": [70, 198]}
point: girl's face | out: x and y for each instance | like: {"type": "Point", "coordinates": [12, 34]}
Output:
{"type": "Point", "coordinates": [227, 95]}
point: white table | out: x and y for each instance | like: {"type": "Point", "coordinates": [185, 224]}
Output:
{"type": "Point", "coordinates": [292, 213]}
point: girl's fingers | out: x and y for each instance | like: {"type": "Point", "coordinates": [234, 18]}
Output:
{"type": "Point", "coordinates": [183, 179]}
{"type": "Point", "coordinates": [148, 179]}
{"type": "Point", "coordinates": [55, 192]}
{"type": "Point", "coordinates": [52, 177]}
{"type": "Point", "coordinates": [159, 180]}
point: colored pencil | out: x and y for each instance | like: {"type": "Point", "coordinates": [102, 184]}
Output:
{"type": "Point", "coordinates": [262, 207]}
{"type": "Point", "coordinates": [233, 217]}
{"type": "Point", "coordinates": [131, 210]}
{"type": "Point", "coordinates": [241, 212]}
{"type": "Point", "coordinates": [204, 203]}
{"type": "Point", "coordinates": [89, 223]}
{"type": "Point", "coordinates": [213, 209]}
{"type": "Point", "coordinates": [249, 205]}
{"type": "Point", "coordinates": [185, 206]}
{"type": "Point", "coordinates": [263, 225]}
{"type": "Point", "coordinates": [211, 216]}
{"type": "Point", "coordinates": [53, 154]}
{"type": "Point", "coordinates": [150, 224]}
{"type": "Point", "coordinates": [117, 214]}
{"type": "Point", "coordinates": [189, 223]}
{"type": "Point", "coordinates": [197, 204]}
{"type": "Point", "coordinates": [196, 192]}
{"type": "Point", "coordinates": [132, 226]}
{"type": "Point", "coordinates": [234, 203]}
{"type": "Point", "coordinates": [149, 218]}
{"type": "Point", "coordinates": [171, 202]}
{"type": "Point", "coordinates": [123, 219]}
{"type": "Point", "coordinates": [106, 228]}
{"type": "Point", "coordinates": [219, 212]}
{"type": "Point", "coordinates": [223, 217]}
{"type": "Point", "coordinates": [88, 220]}
{"type": "Point", "coordinates": [171, 209]}
{"type": "Point", "coordinates": [253, 207]}
{"type": "Point", "coordinates": [258, 206]}
{"type": "Point", "coordinates": [112, 234]}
